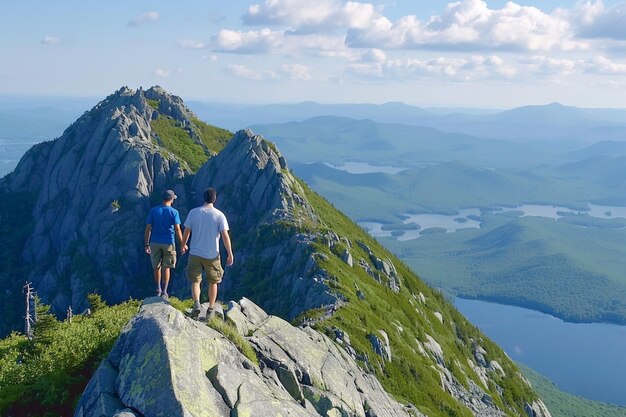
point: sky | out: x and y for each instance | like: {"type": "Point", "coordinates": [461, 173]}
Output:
{"type": "Point", "coordinates": [467, 53]}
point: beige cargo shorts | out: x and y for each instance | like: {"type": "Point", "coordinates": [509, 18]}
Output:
{"type": "Point", "coordinates": [211, 267]}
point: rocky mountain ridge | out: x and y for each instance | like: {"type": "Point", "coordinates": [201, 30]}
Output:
{"type": "Point", "coordinates": [91, 188]}
{"type": "Point", "coordinates": [86, 196]}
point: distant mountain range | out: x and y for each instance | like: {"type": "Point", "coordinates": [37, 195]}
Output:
{"type": "Point", "coordinates": [551, 122]}
{"type": "Point", "coordinates": [564, 126]}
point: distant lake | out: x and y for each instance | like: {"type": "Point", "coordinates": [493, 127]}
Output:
{"type": "Point", "coordinates": [365, 168]}
{"type": "Point", "coordinates": [552, 212]}
{"type": "Point", "coordinates": [588, 360]}
{"type": "Point", "coordinates": [468, 218]}
{"type": "Point", "coordinates": [606, 212]}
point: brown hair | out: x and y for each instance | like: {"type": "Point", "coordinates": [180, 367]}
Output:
{"type": "Point", "coordinates": [210, 195]}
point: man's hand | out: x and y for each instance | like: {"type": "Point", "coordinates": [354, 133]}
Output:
{"type": "Point", "coordinates": [184, 250]}
{"type": "Point", "coordinates": [230, 260]}
{"type": "Point", "coordinates": [148, 251]}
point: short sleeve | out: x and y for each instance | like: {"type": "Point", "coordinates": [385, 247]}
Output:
{"type": "Point", "coordinates": [189, 220]}
{"type": "Point", "coordinates": [176, 217]}
{"type": "Point", "coordinates": [150, 218]}
{"type": "Point", "coordinates": [223, 224]}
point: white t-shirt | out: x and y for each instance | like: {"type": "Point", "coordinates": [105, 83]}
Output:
{"type": "Point", "coordinates": [205, 223]}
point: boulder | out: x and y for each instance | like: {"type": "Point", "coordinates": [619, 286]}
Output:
{"type": "Point", "coordinates": [166, 364]}
{"type": "Point", "coordinates": [381, 344]}
{"type": "Point", "coordinates": [434, 348]}
{"type": "Point", "coordinates": [347, 258]}
{"type": "Point", "coordinates": [536, 409]}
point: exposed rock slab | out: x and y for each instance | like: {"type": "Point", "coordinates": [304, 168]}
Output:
{"type": "Point", "coordinates": [165, 364]}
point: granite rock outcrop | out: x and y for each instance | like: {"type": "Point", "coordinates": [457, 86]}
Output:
{"type": "Point", "coordinates": [165, 364]}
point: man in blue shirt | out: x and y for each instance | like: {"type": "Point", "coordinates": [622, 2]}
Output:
{"type": "Point", "coordinates": [163, 221]}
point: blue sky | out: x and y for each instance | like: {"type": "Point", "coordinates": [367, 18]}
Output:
{"type": "Point", "coordinates": [472, 53]}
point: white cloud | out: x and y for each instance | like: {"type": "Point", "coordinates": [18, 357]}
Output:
{"type": "Point", "coordinates": [485, 67]}
{"type": "Point", "coordinates": [161, 72]}
{"type": "Point", "coordinates": [276, 42]}
{"type": "Point", "coordinates": [373, 55]}
{"type": "Point", "coordinates": [340, 28]}
{"type": "Point", "coordinates": [314, 16]}
{"type": "Point", "coordinates": [453, 68]}
{"type": "Point", "coordinates": [595, 21]}
{"type": "Point", "coordinates": [605, 66]}
{"type": "Point", "coordinates": [583, 13]}
{"type": "Point", "coordinates": [250, 42]}
{"type": "Point", "coordinates": [472, 25]}
{"type": "Point", "coordinates": [212, 57]}
{"type": "Point", "coordinates": [294, 72]}
{"type": "Point", "coordinates": [546, 66]}
{"type": "Point", "coordinates": [51, 40]}
{"type": "Point", "coordinates": [191, 44]}
{"type": "Point", "coordinates": [475, 42]}
{"type": "Point", "coordinates": [145, 18]}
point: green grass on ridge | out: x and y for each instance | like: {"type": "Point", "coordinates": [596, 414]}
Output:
{"type": "Point", "coordinates": [410, 376]}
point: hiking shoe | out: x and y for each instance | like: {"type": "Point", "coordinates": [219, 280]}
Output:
{"type": "Point", "coordinates": [210, 313]}
{"type": "Point", "coordinates": [196, 310]}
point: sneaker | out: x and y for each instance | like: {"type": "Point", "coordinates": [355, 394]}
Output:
{"type": "Point", "coordinates": [165, 296]}
{"type": "Point", "coordinates": [210, 313]}
{"type": "Point", "coordinates": [158, 293]}
{"type": "Point", "coordinates": [196, 310]}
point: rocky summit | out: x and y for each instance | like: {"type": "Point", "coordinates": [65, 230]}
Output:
{"type": "Point", "coordinates": [86, 196]}
{"type": "Point", "coordinates": [370, 338]}
{"type": "Point", "coordinates": [165, 364]}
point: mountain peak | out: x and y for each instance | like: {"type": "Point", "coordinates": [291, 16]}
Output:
{"type": "Point", "coordinates": [91, 188]}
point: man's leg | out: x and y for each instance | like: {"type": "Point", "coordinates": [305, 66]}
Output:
{"type": "Point", "coordinates": [212, 294]}
{"type": "Point", "coordinates": [194, 276]}
{"type": "Point", "coordinates": [157, 279]}
{"type": "Point", "coordinates": [166, 279]}
{"type": "Point", "coordinates": [195, 292]}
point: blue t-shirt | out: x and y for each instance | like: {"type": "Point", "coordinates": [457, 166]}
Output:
{"type": "Point", "coordinates": [163, 219]}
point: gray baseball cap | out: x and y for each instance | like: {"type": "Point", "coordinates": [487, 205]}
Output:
{"type": "Point", "coordinates": [168, 195]}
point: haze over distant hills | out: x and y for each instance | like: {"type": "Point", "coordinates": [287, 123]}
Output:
{"type": "Point", "coordinates": [538, 122]}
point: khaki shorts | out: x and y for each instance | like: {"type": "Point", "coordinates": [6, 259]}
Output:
{"type": "Point", "coordinates": [211, 267]}
{"type": "Point", "coordinates": [163, 254]}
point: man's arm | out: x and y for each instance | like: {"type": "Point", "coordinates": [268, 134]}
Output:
{"type": "Point", "coordinates": [183, 242]}
{"type": "Point", "coordinates": [226, 238]}
{"type": "Point", "coordinates": [146, 238]}
{"type": "Point", "coordinates": [179, 234]}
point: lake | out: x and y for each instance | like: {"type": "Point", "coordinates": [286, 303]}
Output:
{"type": "Point", "coordinates": [585, 359]}
{"type": "Point", "coordinates": [365, 168]}
{"type": "Point", "coordinates": [468, 218]}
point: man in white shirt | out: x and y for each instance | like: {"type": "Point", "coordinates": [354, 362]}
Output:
{"type": "Point", "coordinates": [206, 224]}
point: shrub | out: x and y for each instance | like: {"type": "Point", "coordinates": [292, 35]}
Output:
{"type": "Point", "coordinates": [46, 376]}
